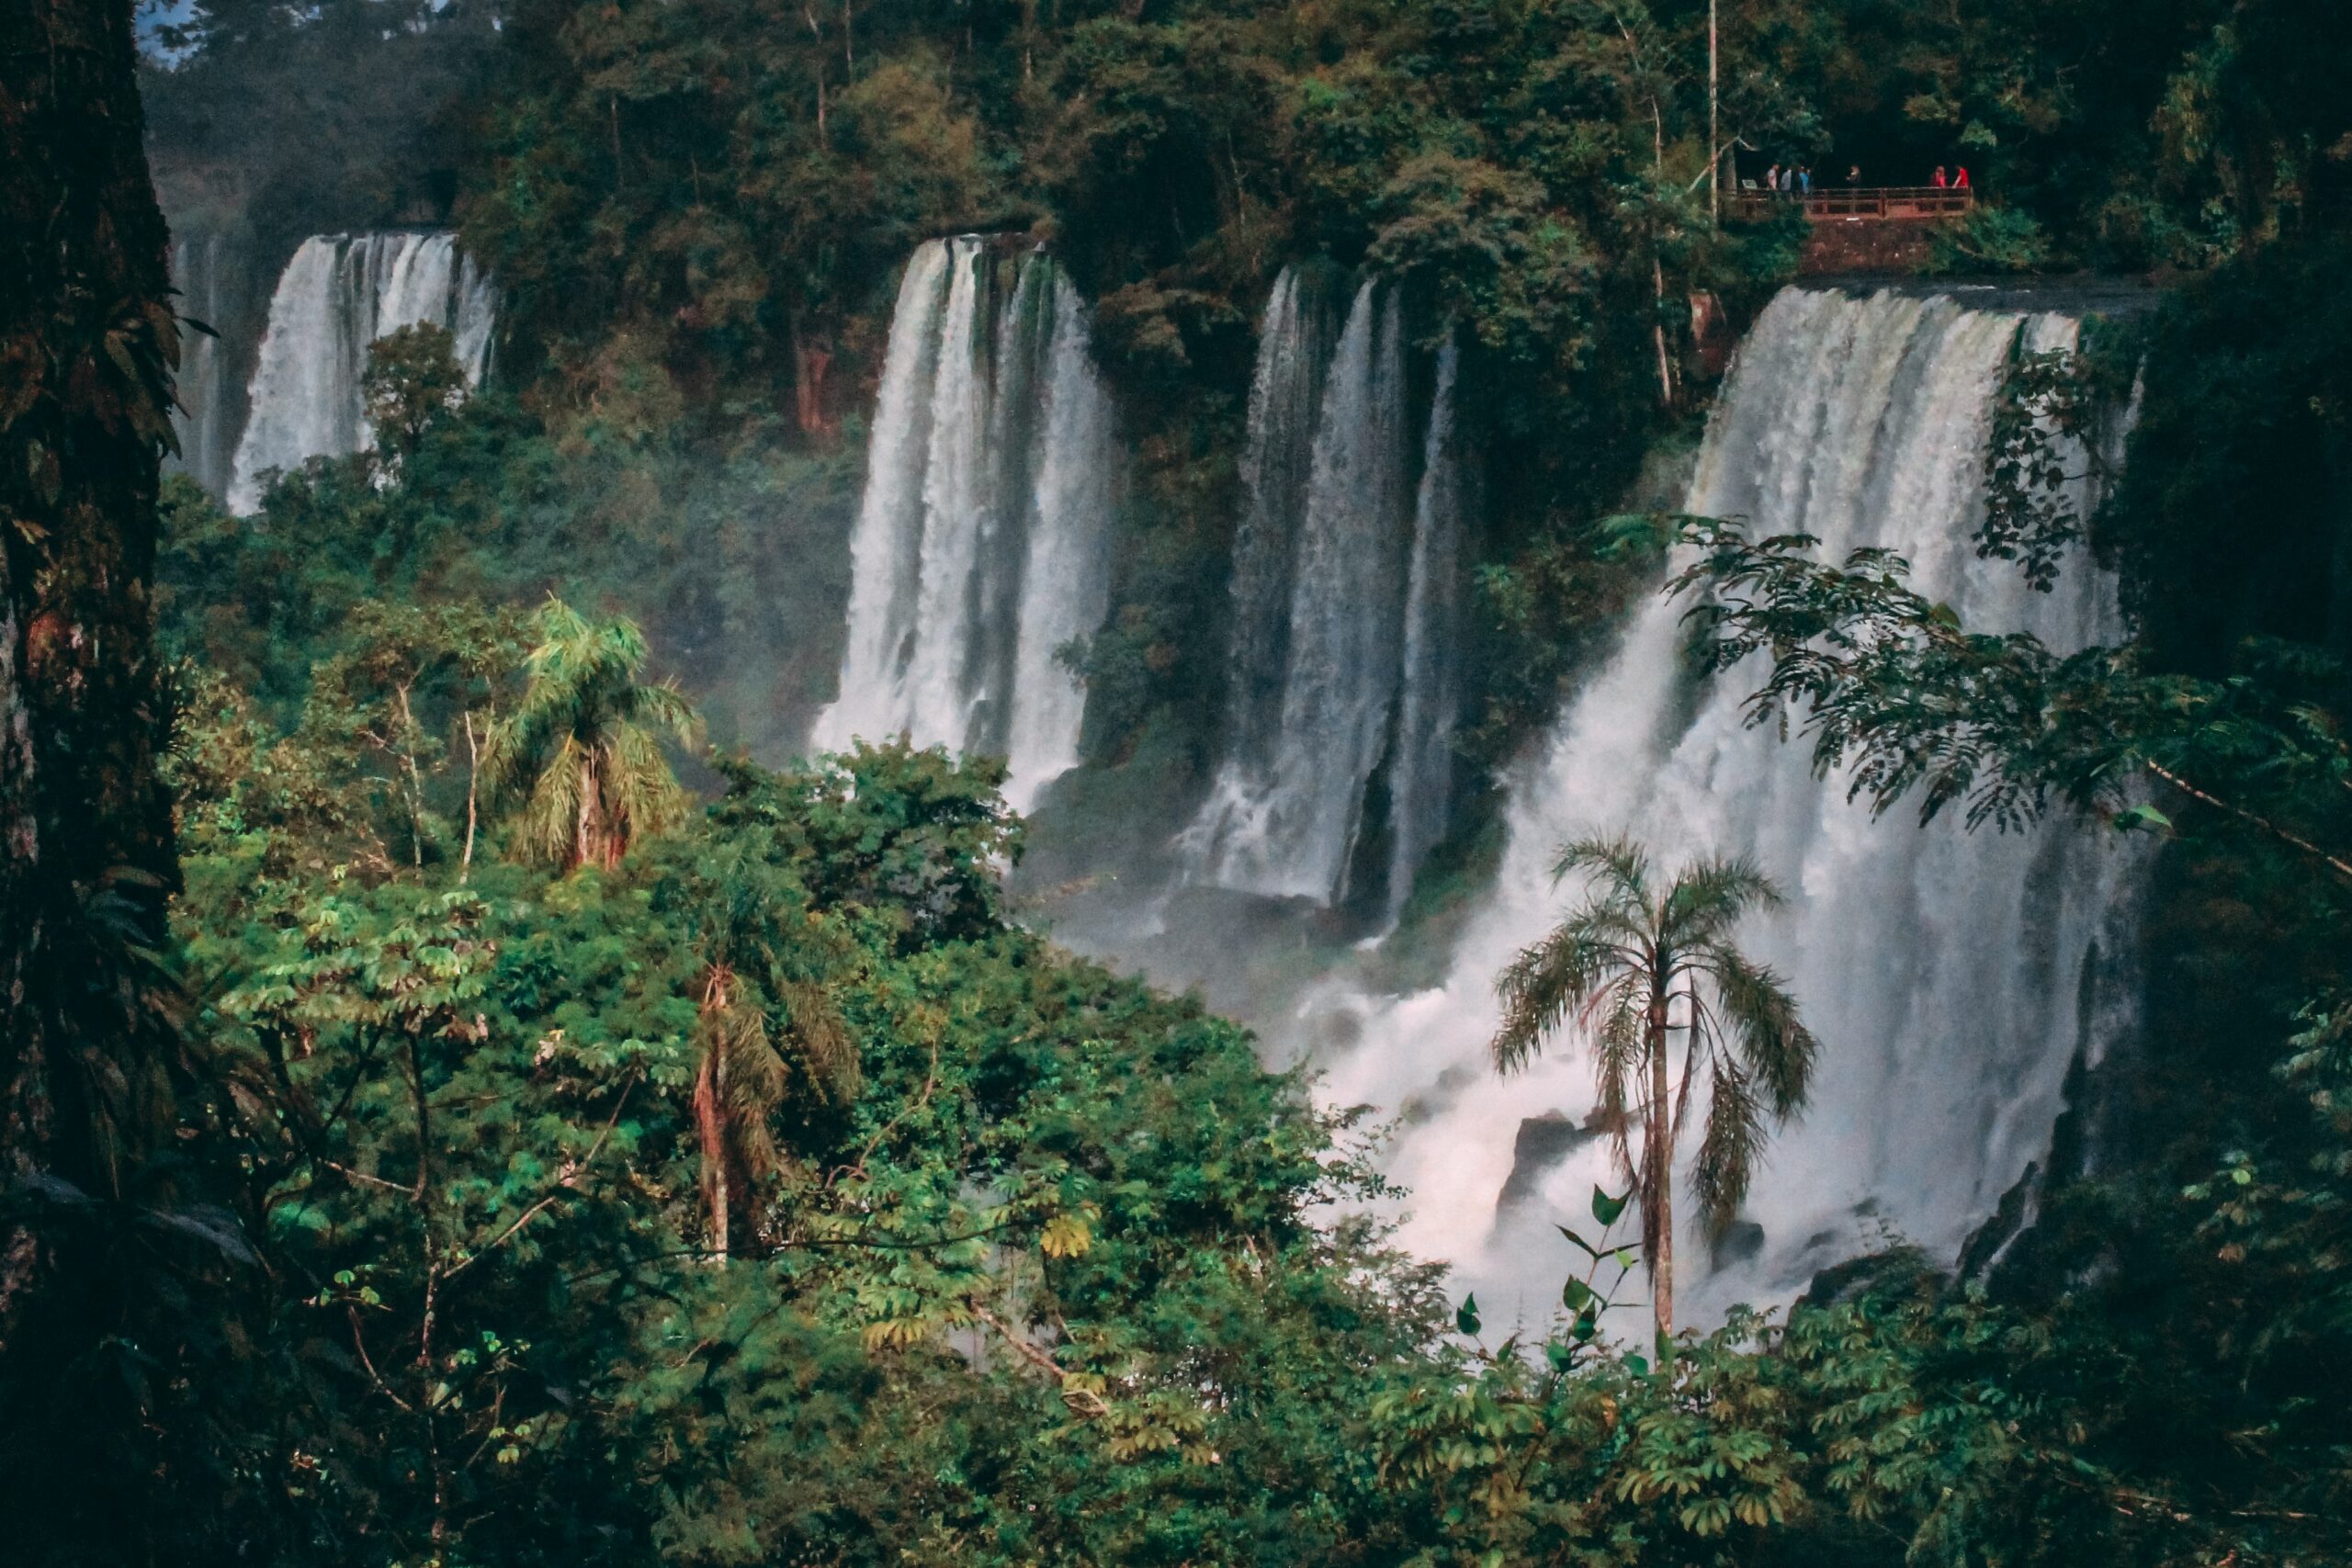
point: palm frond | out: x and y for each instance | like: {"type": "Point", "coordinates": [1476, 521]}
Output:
{"type": "Point", "coordinates": [1620, 866]}
{"type": "Point", "coordinates": [1710, 896]}
{"type": "Point", "coordinates": [1732, 1148]}
{"type": "Point", "coordinates": [1618, 1059]}
{"type": "Point", "coordinates": [641, 793]}
{"type": "Point", "coordinates": [581, 748]}
{"type": "Point", "coordinates": [664, 707]}
{"type": "Point", "coordinates": [1542, 986]}
{"type": "Point", "coordinates": [1759, 1019]}
{"type": "Point", "coordinates": [550, 814]}
{"type": "Point", "coordinates": [823, 1039]}
{"type": "Point", "coordinates": [742, 1079]}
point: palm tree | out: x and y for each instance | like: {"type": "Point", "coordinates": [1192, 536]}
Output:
{"type": "Point", "coordinates": [582, 751]}
{"type": "Point", "coordinates": [765, 1021]}
{"type": "Point", "coordinates": [745, 1077]}
{"type": "Point", "coordinates": [1650, 976]}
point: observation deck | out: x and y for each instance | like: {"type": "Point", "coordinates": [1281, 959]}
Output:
{"type": "Point", "coordinates": [1855, 203]}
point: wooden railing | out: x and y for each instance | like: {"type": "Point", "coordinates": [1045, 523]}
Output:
{"type": "Point", "coordinates": [1899, 202]}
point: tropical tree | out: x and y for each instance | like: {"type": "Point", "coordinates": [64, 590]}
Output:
{"type": "Point", "coordinates": [414, 381]}
{"type": "Point", "coordinates": [1648, 972]}
{"type": "Point", "coordinates": [766, 1024]}
{"type": "Point", "coordinates": [582, 753]}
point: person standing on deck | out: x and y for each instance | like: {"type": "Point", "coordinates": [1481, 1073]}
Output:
{"type": "Point", "coordinates": [1804, 180]}
{"type": "Point", "coordinates": [1772, 178]}
{"type": "Point", "coordinates": [1939, 182]}
{"type": "Point", "coordinates": [1959, 181]}
{"type": "Point", "coordinates": [1854, 176]}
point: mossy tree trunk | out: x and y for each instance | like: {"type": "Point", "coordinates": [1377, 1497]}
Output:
{"type": "Point", "coordinates": [87, 346]}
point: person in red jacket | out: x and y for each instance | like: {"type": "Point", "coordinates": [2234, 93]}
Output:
{"type": "Point", "coordinates": [1959, 181]}
{"type": "Point", "coordinates": [1940, 181]}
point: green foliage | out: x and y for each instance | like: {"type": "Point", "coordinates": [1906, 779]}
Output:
{"type": "Point", "coordinates": [737, 561]}
{"type": "Point", "coordinates": [2225, 521]}
{"type": "Point", "coordinates": [1633, 967]}
{"type": "Point", "coordinates": [412, 381]}
{"type": "Point", "coordinates": [466, 1123]}
{"type": "Point", "coordinates": [580, 756]}
{"type": "Point", "coordinates": [1900, 695]}
{"type": "Point", "coordinates": [2053, 406]}
{"type": "Point", "coordinates": [1990, 239]}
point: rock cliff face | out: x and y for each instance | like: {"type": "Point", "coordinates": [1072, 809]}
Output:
{"type": "Point", "coordinates": [1866, 244]}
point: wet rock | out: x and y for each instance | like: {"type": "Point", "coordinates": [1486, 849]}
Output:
{"type": "Point", "coordinates": [1542, 1143]}
{"type": "Point", "coordinates": [1741, 1240]}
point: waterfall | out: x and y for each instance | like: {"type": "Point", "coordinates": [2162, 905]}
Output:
{"type": "Point", "coordinates": [1951, 977]}
{"type": "Point", "coordinates": [1066, 580]}
{"type": "Point", "coordinates": [1286, 399]}
{"type": "Point", "coordinates": [339, 293]}
{"type": "Point", "coordinates": [204, 270]}
{"type": "Point", "coordinates": [939, 701]}
{"type": "Point", "coordinates": [1421, 776]}
{"type": "Point", "coordinates": [981, 548]}
{"type": "Point", "coordinates": [1285, 810]}
{"type": "Point", "coordinates": [888, 538]}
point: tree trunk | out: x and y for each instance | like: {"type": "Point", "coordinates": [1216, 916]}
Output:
{"type": "Point", "coordinates": [88, 346]}
{"type": "Point", "coordinates": [1657, 333]}
{"type": "Point", "coordinates": [1658, 268]}
{"type": "Point", "coordinates": [586, 829]}
{"type": "Point", "coordinates": [1715, 125]}
{"type": "Point", "coordinates": [811, 358]}
{"type": "Point", "coordinates": [473, 797]}
{"type": "Point", "coordinates": [817, 33]}
{"type": "Point", "coordinates": [710, 1131]}
{"type": "Point", "coordinates": [1657, 1154]}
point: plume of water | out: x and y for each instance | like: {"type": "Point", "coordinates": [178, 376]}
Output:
{"type": "Point", "coordinates": [1950, 976]}
{"type": "Point", "coordinates": [888, 541]}
{"type": "Point", "coordinates": [1286, 400]}
{"type": "Point", "coordinates": [336, 297]}
{"type": "Point", "coordinates": [1420, 777]}
{"type": "Point", "coordinates": [1066, 579]}
{"type": "Point", "coordinates": [203, 270]}
{"type": "Point", "coordinates": [982, 541]}
{"type": "Point", "coordinates": [955, 501]}
{"type": "Point", "coordinates": [1288, 829]}
{"type": "Point", "coordinates": [1016, 418]}
{"type": "Point", "coordinates": [304, 394]}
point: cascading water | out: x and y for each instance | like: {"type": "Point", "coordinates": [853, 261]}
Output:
{"type": "Point", "coordinates": [1283, 813]}
{"type": "Point", "coordinates": [1065, 579]}
{"type": "Point", "coordinates": [205, 271]}
{"type": "Point", "coordinates": [888, 540]}
{"type": "Point", "coordinates": [339, 293]}
{"type": "Point", "coordinates": [1286, 405]}
{"type": "Point", "coordinates": [1951, 977]}
{"type": "Point", "coordinates": [981, 548]}
{"type": "Point", "coordinates": [955, 494]}
{"type": "Point", "coordinates": [1420, 777]}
